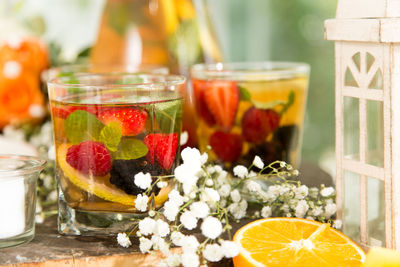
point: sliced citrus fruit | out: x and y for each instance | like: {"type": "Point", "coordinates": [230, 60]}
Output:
{"type": "Point", "coordinates": [100, 186]}
{"type": "Point", "coordinates": [382, 257]}
{"type": "Point", "coordinates": [294, 242]}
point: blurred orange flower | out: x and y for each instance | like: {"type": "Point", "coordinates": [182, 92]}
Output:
{"type": "Point", "coordinates": [21, 62]}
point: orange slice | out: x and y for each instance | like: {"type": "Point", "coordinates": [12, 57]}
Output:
{"type": "Point", "coordinates": [100, 186]}
{"type": "Point", "coordinates": [294, 242]}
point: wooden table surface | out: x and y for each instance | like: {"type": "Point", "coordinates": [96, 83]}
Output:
{"type": "Point", "coordinates": [48, 248]}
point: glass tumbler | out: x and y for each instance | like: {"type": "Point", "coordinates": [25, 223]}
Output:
{"type": "Point", "coordinates": [251, 109]}
{"type": "Point", "coordinates": [18, 177]}
{"type": "Point", "coordinates": [108, 128]}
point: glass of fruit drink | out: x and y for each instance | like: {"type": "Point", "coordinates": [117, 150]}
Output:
{"type": "Point", "coordinates": [108, 128]}
{"type": "Point", "coordinates": [249, 109]}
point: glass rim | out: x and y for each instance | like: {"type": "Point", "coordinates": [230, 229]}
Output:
{"type": "Point", "coordinates": [168, 81]}
{"type": "Point", "coordinates": [258, 70]}
{"type": "Point", "coordinates": [37, 167]}
{"type": "Point", "coordinates": [114, 68]}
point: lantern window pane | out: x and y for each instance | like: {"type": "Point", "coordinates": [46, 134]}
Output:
{"type": "Point", "coordinates": [375, 133]}
{"type": "Point", "coordinates": [356, 60]}
{"type": "Point", "coordinates": [351, 128]}
{"type": "Point", "coordinates": [377, 81]}
{"type": "Point", "coordinates": [376, 212]}
{"type": "Point", "coordinates": [349, 79]}
{"type": "Point", "coordinates": [352, 213]}
{"type": "Point", "coordinates": [370, 61]}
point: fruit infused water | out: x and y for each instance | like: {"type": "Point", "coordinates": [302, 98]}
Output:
{"type": "Point", "coordinates": [107, 129]}
{"type": "Point", "coordinates": [251, 109]}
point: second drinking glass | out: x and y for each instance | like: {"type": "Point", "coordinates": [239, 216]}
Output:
{"type": "Point", "coordinates": [108, 128]}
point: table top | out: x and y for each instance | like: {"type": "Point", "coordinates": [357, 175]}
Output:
{"type": "Point", "coordinates": [49, 248]}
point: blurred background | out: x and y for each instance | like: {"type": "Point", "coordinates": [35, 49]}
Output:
{"type": "Point", "coordinates": [252, 30]}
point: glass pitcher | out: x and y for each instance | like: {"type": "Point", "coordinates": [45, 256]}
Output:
{"type": "Point", "coordinates": [175, 33]}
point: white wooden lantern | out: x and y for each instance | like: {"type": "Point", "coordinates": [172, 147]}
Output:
{"type": "Point", "coordinates": [367, 63]}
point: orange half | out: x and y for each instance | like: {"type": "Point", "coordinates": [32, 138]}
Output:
{"type": "Point", "coordinates": [294, 242]}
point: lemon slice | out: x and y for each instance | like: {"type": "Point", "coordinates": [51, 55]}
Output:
{"type": "Point", "coordinates": [100, 186]}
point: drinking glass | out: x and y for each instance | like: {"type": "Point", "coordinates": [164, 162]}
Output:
{"type": "Point", "coordinates": [18, 177]}
{"type": "Point", "coordinates": [251, 109]}
{"type": "Point", "coordinates": [108, 128]}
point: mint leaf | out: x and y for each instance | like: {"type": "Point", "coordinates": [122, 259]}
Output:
{"type": "Point", "coordinates": [244, 94]}
{"type": "Point", "coordinates": [268, 105]}
{"type": "Point", "coordinates": [169, 115]}
{"type": "Point", "coordinates": [289, 103]}
{"type": "Point", "coordinates": [81, 125]}
{"type": "Point", "coordinates": [131, 149]}
{"type": "Point", "coordinates": [111, 135]}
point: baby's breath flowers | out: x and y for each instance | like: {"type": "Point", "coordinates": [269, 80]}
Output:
{"type": "Point", "coordinates": [208, 198]}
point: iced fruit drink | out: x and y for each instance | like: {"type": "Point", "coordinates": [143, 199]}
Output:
{"type": "Point", "coordinates": [105, 135]}
{"type": "Point", "coordinates": [249, 109]}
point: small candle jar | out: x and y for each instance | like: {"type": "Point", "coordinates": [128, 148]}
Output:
{"type": "Point", "coordinates": [18, 176]}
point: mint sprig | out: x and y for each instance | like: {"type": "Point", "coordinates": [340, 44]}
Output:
{"type": "Point", "coordinates": [167, 114]}
{"type": "Point", "coordinates": [81, 126]}
{"type": "Point", "coordinates": [131, 148]}
{"type": "Point", "coordinates": [111, 135]}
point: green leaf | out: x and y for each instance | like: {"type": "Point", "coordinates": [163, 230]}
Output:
{"type": "Point", "coordinates": [244, 94]}
{"type": "Point", "coordinates": [81, 125]}
{"type": "Point", "coordinates": [169, 115]}
{"type": "Point", "coordinates": [111, 135]}
{"type": "Point", "coordinates": [268, 105]}
{"type": "Point", "coordinates": [131, 148]}
{"type": "Point", "coordinates": [289, 103]}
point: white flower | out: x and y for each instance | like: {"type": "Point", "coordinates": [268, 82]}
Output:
{"type": "Point", "coordinates": [218, 168]}
{"type": "Point", "coordinates": [238, 210]}
{"type": "Point", "coordinates": [203, 158]}
{"type": "Point", "coordinates": [209, 182]}
{"type": "Point", "coordinates": [317, 211]}
{"type": "Point", "coordinates": [161, 228]}
{"type": "Point", "coordinates": [301, 209]}
{"type": "Point", "coordinates": [224, 190]}
{"type": "Point", "coordinates": [266, 212]}
{"type": "Point", "coordinates": [175, 197]}
{"type": "Point", "coordinates": [152, 213]}
{"type": "Point", "coordinates": [330, 209]}
{"type": "Point", "coordinates": [39, 218]}
{"type": "Point", "coordinates": [190, 260]}
{"type": "Point", "coordinates": [213, 252]}
{"type": "Point", "coordinates": [162, 264]}
{"type": "Point", "coordinates": [143, 181]}
{"type": "Point", "coordinates": [12, 69]}
{"type": "Point", "coordinates": [327, 191]}
{"type": "Point", "coordinates": [170, 210]}
{"type": "Point", "coordinates": [210, 195]}
{"type": "Point", "coordinates": [145, 244]}
{"type": "Point", "coordinates": [37, 111]}
{"type": "Point", "coordinates": [141, 202]}
{"type": "Point", "coordinates": [253, 186]}
{"type": "Point", "coordinates": [229, 249]}
{"type": "Point", "coordinates": [301, 192]}
{"type": "Point", "coordinates": [240, 171]}
{"type": "Point", "coordinates": [295, 173]}
{"type": "Point", "coordinates": [184, 138]}
{"type": "Point", "coordinates": [162, 184]}
{"type": "Point", "coordinates": [189, 220]}
{"type": "Point", "coordinates": [274, 191]}
{"type": "Point", "coordinates": [313, 192]}
{"type": "Point", "coordinates": [337, 224]}
{"type": "Point", "coordinates": [187, 175]}
{"type": "Point", "coordinates": [177, 238]}
{"type": "Point", "coordinates": [252, 174]}
{"type": "Point", "coordinates": [211, 227]}
{"type": "Point", "coordinates": [235, 195]}
{"type": "Point", "coordinates": [190, 244]}
{"type": "Point", "coordinates": [191, 157]}
{"type": "Point", "coordinates": [123, 240]}
{"type": "Point", "coordinates": [283, 164]}
{"type": "Point", "coordinates": [147, 225]}
{"type": "Point", "coordinates": [52, 196]}
{"type": "Point", "coordinates": [160, 244]}
{"type": "Point", "coordinates": [200, 209]}
{"type": "Point", "coordinates": [258, 162]}
{"type": "Point", "coordinates": [174, 260]}
{"type": "Point", "coordinates": [285, 208]}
